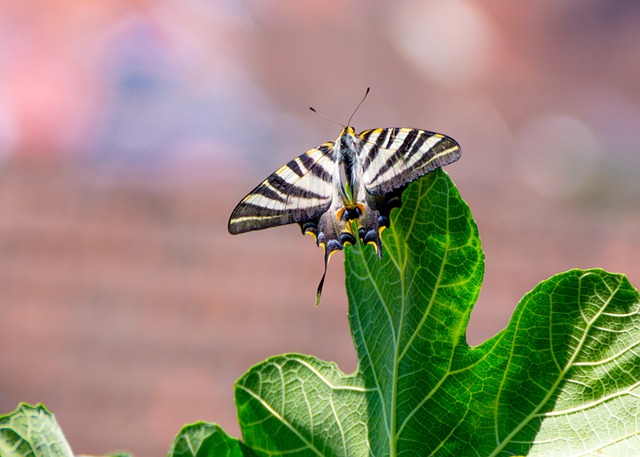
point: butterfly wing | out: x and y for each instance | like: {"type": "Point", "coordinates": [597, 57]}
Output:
{"type": "Point", "coordinates": [297, 192]}
{"type": "Point", "coordinates": [394, 157]}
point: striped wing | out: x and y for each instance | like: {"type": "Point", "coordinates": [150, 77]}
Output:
{"type": "Point", "coordinates": [297, 192]}
{"type": "Point", "coordinates": [394, 157]}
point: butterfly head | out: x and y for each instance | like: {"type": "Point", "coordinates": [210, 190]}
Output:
{"type": "Point", "coordinates": [347, 138]}
{"type": "Point", "coordinates": [348, 131]}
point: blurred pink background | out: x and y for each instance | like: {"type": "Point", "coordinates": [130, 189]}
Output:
{"type": "Point", "coordinates": [130, 129]}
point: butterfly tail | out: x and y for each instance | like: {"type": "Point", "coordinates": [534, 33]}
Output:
{"type": "Point", "coordinates": [321, 285]}
{"type": "Point", "coordinates": [329, 249]}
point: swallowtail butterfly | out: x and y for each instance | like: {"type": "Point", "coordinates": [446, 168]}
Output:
{"type": "Point", "coordinates": [345, 188]}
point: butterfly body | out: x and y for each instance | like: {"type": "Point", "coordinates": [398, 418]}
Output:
{"type": "Point", "coordinates": [344, 189]}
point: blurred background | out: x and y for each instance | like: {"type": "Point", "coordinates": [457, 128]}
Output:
{"type": "Point", "coordinates": [129, 129]}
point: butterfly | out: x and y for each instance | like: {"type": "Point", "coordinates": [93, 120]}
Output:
{"type": "Point", "coordinates": [344, 189]}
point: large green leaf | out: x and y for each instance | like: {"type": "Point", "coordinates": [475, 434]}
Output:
{"type": "Point", "coordinates": [32, 431]}
{"type": "Point", "coordinates": [561, 379]}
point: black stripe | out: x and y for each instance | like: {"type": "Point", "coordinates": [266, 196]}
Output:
{"type": "Point", "coordinates": [299, 192]}
{"type": "Point", "coordinates": [268, 217]}
{"type": "Point", "coordinates": [408, 141]}
{"type": "Point", "coordinates": [293, 165]}
{"type": "Point", "coordinates": [381, 137]}
{"type": "Point", "coordinates": [375, 147]}
{"type": "Point", "coordinates": [279, 183]}
{"type": "Point", "coordinates": [286, 188]}
{"type": "Point", "coordinates": [289, 189]}
{"type": "Point", "coordinates": [251, 209]}
{"type": "Point", "coordinates": [269, 193]}
{"type": "Point", "coordinates": [393, 133]}
{"type": "Point", "coordinates": [307, 161]}
{"type": "Point", "coordinates": [371, 155]}
{"type": "Point", "coordinates": [292, 191]}
{"type": "Point", "coordinates": [415, 147]}
{"type": "Point", "coordinates": [314, 166]}
{"type": "Point", "coordinates": [321, 172]}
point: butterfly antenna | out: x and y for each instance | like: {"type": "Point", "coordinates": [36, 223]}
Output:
{"type": "Point", "coordinates": [350, 117]}
{"type": "Point", "coordinates": [359, 104]}
{"type": "Point", "coordinates": [326, 117]}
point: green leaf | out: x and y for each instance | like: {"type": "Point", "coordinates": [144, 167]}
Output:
{"type": "Point", "coordinates": [203, 440]}
{"type": "Point", "coordinates": [300, 405]}
{"type": "Point", "coordinates": [561, 379]}
{"type": "Point", "coordinates": [32, 431]}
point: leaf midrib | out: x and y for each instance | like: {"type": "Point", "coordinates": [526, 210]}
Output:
{"type": "Point", "coordinates": [394, 431]}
